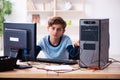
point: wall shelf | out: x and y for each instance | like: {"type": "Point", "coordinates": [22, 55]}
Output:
{"type": "Point", "coordinates": [50, 8]}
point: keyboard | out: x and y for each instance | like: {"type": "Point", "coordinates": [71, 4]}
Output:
{"type": "Point", "coordinates": [57, 61]}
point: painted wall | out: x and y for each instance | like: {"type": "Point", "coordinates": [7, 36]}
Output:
{"type": "Point", "coordinates": [107, 9]}
{"type": "Point", "coordinates": [19, 11]}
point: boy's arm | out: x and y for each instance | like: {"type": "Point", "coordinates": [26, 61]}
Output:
{"type": "Point", "coordinates": [73, 52]}
{"type": "Point", "coordinates": [38, 49]}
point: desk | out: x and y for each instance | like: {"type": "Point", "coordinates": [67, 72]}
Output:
{"type": "Point", "coordinates": [112, 71]}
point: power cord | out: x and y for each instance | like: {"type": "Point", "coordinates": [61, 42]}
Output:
{"type": "Point", "coordinates": [114, 60]}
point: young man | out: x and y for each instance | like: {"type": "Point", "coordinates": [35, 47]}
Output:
{"type": "Point", "coordinates": [57, 45]}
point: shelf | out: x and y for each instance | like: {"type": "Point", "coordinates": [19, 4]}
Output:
{"type": "Point", "coordinates": [71, 11]}
{"type": "Point", "coordinates": [37, 11]}
{"type": "Point", "coordinates": [50, 8]}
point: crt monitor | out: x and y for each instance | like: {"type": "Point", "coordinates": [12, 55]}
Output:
{"type": "Point", "coordinates": [20, 41]}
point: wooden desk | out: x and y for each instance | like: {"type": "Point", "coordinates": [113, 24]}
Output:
{"type": "Point", "coordinates": [112, 71]}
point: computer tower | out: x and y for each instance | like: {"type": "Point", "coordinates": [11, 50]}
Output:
{"type": "Point", "coordinates": [94, 43]}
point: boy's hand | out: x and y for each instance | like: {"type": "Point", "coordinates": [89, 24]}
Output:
{"type": "Point", "coordinates": [76, 44]}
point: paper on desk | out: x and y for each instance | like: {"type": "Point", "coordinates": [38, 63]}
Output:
{"type": "Point", "coordinates": [59, 67]}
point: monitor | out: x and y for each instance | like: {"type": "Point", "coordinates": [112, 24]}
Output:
{"type": "Point", "coordinates": [20, 41]}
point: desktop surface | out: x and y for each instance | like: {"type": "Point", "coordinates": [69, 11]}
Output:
{"type": "Point", "coordinates": [37, 72]}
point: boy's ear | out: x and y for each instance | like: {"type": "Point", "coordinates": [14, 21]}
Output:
{"type": "Point", "coordinates": [47, 28]}
{"type": "Point", "coordinates": [63, 30]}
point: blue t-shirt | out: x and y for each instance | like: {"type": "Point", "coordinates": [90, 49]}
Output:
{"type": "Point", "coordinates": [55, 52]}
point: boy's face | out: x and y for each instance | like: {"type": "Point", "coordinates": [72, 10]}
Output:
{"type": "Point", "coordinates": [56, 31]}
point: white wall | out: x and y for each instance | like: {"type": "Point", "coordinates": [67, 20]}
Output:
{"type": "Point", "coordinates": [19, 14]}
{"type": "Point", "coordinates": [94, 9]}
{"type": "Point", "coordinates": [107, 9]}
{"type": "Point", "coordinates": [19, 11]}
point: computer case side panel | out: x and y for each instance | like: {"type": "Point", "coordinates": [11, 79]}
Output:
{"type": "Point", "coordinates": [94, 42]}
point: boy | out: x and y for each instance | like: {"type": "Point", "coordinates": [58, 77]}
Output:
{"type": "Point", "coordinates": [56, 45]}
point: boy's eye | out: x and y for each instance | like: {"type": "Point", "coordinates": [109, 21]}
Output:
{"type": "Point", "coordinates": [53, 28]}
{"type": "Point", "coordinates": [57, 29]}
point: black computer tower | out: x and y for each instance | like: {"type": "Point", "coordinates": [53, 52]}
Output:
{"type": "Point", "coordinates": [94, 43]}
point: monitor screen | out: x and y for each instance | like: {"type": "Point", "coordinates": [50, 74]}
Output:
{"type": "Point", "coordinates": [20, 40]}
